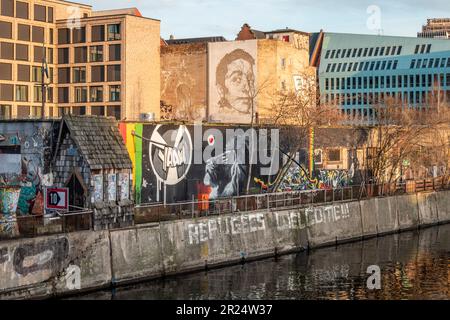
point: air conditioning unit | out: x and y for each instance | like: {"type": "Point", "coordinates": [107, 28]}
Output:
{"type": "Point", "coordinates": [147, 116]}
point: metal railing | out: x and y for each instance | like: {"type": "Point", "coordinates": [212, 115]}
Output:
{"type": "Point", "coordinates": [30, 226]}
{"type": "Point", "coordinates": [157, 212]}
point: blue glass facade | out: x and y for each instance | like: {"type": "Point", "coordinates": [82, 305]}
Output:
{"type": "Point", "coordinates": [358, 72]}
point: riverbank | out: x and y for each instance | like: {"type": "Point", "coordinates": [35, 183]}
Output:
{"type": "Point", "coordinates": [37, 268]}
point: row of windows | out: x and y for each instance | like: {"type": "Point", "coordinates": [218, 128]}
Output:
{"type": "Point", "coordinates": [80, 94]}
{"type": "Point", "coordinates": [430, 63]}
{"type": "Point", "coordinates": [96, 54]}
{"type": "Point", "coordinates": [21, 94]}
{"type": "Point", "coordinates": [97, 74]}
{"type": "Point", "coordinates": [367, 99]}
{"type": "Point", "coordinates": [23, 73]}
{"type": "Point", "coordinates": [25, 32]}
{"type": "Point", "coordinates": [421, 49]}
{"type": "Point", "coordinates": [365, 52]}
{"type": "Point", "coordinates": [21, 52]}
{"type": "Point", "coordinates": [21, 10]}
{"type": "Point", "coordinates": [381, 82]}
{"type": "Point", "coordinates": [35, 111]}
{"type": "Point", "coordinates": [78, 35]}
{"type": "Point", "coordinates": [362, 66]}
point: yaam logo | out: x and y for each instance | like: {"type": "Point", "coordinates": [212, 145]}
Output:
{"type": "Point", "coordinates": [170, 153]}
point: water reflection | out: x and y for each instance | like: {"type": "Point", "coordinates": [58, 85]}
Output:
{"type": "Point", "coordinates": [414, 265]}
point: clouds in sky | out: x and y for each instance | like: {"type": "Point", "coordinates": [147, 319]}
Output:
{"type": "Point", "coordinates": [196, 18]}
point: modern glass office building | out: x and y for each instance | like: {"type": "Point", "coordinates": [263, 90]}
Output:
{"type": "Point", "coordinates": [359, 72]}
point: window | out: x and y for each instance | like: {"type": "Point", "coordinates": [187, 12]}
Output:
{"type": "Point", "coordinates": [113, 111]}
{"type": "Point", "coordinates": [63, 75]}
{"type": "Point", "coordinates": [80, 94]}
{"type": "Point", "coordinates": [21, 52]}
{"type": "Point", "coordinates": [328, 67]}
{"type": "Point", "coordinates": [5, 113]}
{"type": "Point", "coordinates": [334, 155]}
{"type": "Point", "coordinates": [429, 48]}
{"type": "Point", "coordinates": [40, 13]}
{"type": "Point", "coordinates": [36, 74]}
{"type": "Point", "coordinates": [63, 110]}
{"type": "Point", "coordinates": [327, 55]}
{"type": "Point", "coordinates": [360, 52]}
{"type": "Point", "coordinates": [79, 35]}
{"type": "Point", "coordinates": [50, 14]}
{"type": "Point", "coordinates": [79, 75]}
{"type": "Point", "coordinates": [114, 55]}
{"type": "Point", "coordinates": [419, 63]}
{"type": "Point", "coordinates": [422, 49]}
{"type": "Point", "coordinates": [377, 67]}
{"type": "Point", "coordinates": [6, 92]}
{"type": "Point", "coordinates": [416, 51]}
{"type": "Point", "coordinates": [23, 112]}
{"type": "Point", "coordinates": [114, 73]}
{"type": "Point", "coordinates": [23, 73]}
{"type": "Point", "coordinates": [79, 111]}
{"type": "Point", "coordinates": [388, 50]}
{"type": "Point", "coordinates": [370, 52]}
{"type": "Point", "coordinates": [37, 94]}
{"type": "Point", "coordinates": [50, 55]}
{"type": "Point", "coordinates": [436, 62]}
{"type": "Point", "coordinates": [114, 93]}
{"type": "Point", "coordinates": [376, 51]}
{"type": "Point", "coordinates": [80, 54]}
{"type": "Point", "coordinates": [113, 32]}
{"type": "Point", "coordinates": [430, 64]}
{"type": "Point", "coordinates": [21, 93]}
{"type": "Point", "coordinates": [98, 33]}
{"type": "Point", "coordinates": [23, 32]}
{"type": "Point", "coordinates": [50, 94]}
{"type": "Point", "coordinates": [96, 94]}
{"type": "Point", "coordinates": [22, 10]}
{"type": "Point", "coordinates": [63, 55]}
{"type": "Point", "coordinates": [98, 110]}
{"type": "Point", "coordinates": [354, 52]}
{"type": "Point", "coordinates": [39, 54]}
{"type": "Point", "coordinates": [413, 63]}
{"type": "Point", "coordinates": [38, 34]}
{"type": "Point", "coordinates": [97, 74]}
{"type": "Point", "coordinates": [365, 52]}
{"type": "Point", "coordinates": [5, 71]}
{"type": "Point", "coordinates": [6, 51]}
{"type": "Point", "coordinates": [443, 62]}
{"type": "Point", "coordinates": [383, 65]}
{"type": "Point", "coordinates": [338, 53]}
{"type": "Point", "coordinates": [394, 67]}
{"type": "Point", "coordinates": [7, 8]}
{"type": "Point", "coordinates": [63, 36]}
{"type": "Point", "coordinates": [96, 53]}
{"type": "Point", "coordinates": [51, 35]}
{"type": "Point", "coordinates": [5, 30]}
{"type": "Point", "coordinates": [63, 95]}
{"type": "Point", "coordinates": [399, 50]}
{"type": "Point", "coordinates": [382, 51]}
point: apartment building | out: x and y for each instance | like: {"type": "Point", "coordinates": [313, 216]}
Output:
{"type": "Point", "coordinates": [98, 62]}
{"type": "Point", "coordinates": [438, 28]}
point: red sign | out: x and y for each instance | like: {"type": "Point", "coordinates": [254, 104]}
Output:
{"type": "Point", "coordinates": [57, 198]}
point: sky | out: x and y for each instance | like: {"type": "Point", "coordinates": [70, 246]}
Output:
{"type": "Point", "coordinates": [199, 18]}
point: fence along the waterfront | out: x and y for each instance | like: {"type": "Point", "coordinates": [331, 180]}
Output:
{"type": "Point", "coordinates": [80, 219]}
{"type": "Point", "coordinates": [30, 226]}
{"type": "Point", "coordinates": [157, 212]}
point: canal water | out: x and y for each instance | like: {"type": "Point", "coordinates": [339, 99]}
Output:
{"type": "Point", "coordinates": [413, 265]}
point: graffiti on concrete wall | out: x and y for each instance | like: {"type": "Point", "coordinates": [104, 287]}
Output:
{"type": "Point", "coordinates": [179, 163]}
{"type": "Point", "coordinates": [209, 229]}
{"type": "Point", "coordinates": [303, 218]}
{"type": "Point", "coordinates": [50, 254]}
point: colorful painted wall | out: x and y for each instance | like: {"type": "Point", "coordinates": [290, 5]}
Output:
{"type": "Point", "coordinates": [25, 157]}
{"type": "Point", "coordinates": [166, 167]}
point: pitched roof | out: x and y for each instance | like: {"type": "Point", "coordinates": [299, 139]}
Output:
{"type": "Point", "coordinates": [99, 141]}
{"type": "Point", "coordinates": [195, 40]}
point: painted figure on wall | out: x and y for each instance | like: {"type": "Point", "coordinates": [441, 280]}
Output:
{"type": "Point", "coordinates": [235, 81]}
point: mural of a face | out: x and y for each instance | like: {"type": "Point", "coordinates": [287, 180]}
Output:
{"type": "Point", "coordinates": [236, 81]}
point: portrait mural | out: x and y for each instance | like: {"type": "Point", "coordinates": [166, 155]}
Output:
{"type": "Point", "coordinates": [233, 81]}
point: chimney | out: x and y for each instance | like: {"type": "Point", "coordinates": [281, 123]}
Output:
{"type": "Point", "coordinates": [172, 37]}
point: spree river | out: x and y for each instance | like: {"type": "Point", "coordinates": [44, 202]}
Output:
{"type": "Point", "coordinates": [414, 265]}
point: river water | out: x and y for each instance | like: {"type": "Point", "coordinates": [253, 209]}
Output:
{"type": "Point", "coordinates": [414, 265]}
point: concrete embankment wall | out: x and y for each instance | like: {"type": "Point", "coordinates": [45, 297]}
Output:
{"type": "Point", "coordinates": [48, 266]}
